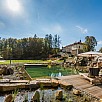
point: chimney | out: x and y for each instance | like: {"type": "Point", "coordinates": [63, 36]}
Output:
{"type": "Point", "coordinates": [80, 41]}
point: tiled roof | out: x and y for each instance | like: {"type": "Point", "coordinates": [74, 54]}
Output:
{"type": "Point", "coordinates": [75, 44]}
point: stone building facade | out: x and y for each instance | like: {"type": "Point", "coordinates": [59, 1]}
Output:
{"type": "Point", "coordinates": [74, 48]}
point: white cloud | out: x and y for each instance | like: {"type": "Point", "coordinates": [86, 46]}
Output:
{"type": "Point", "coordinates": [56, 29]}
{"type": "Point", "coordinates": [99, 42]}
{"type": "Point", "coordinates": [83, 30]}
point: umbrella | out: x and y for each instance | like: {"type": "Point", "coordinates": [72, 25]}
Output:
{"type": "Point", "coordinates": [92, 71]}
{"type": "Point", "coordinates": [90, 54]}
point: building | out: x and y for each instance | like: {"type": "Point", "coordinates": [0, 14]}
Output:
{"type": "Point", "coordinates": [74, 48]}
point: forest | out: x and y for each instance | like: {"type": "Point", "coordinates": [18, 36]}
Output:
{"type": "Point", "coordinates": [30, 48]}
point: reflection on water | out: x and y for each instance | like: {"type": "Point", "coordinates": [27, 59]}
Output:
{"type": "Point", "coordinates": [2, 98]}
{"type": "Point", "coordinates": [56, 75]}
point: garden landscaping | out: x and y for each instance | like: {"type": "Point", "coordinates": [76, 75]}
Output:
{"type": "Point", "coordinates": [30, 85]}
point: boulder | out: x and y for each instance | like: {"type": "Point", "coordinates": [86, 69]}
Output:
{"type": "Point", "coordinates": [20, 72]}
{"type": "Point", "coordinates": [76, 92]}
{"type": "Point", "coordinates": [9, 98]}
{"type": "Point", "coordinates": [11, 71]}
{"type": "Point", "coordinates": [5, 70]}
{"type": "Point", "coordinates": [100, 100]}
{"type": "Point", "coordinates": [1, 71]}
{"type": "Point", "coordinates": [36, 97]}
{"type": "Point", "coordinates": [59, 95]}
{"type": "Point", "coordinates": [8, 71]}
{"type": "Point", "coordinates": [21, 77]}
{"type": "Point", "coordinates": [54, 83]}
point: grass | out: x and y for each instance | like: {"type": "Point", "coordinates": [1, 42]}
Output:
{"type": "Point", "coordinates": [36, 72]}
{"type": "Point", "coordinates": [41, 71]}
{"type": "Point", "coordinates": [24, 61]}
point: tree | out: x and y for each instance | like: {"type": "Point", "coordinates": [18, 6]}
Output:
{"type": "Point", "coordinates": [56, 44]}
{"type": "Point", "coordinates": [91, 42]}
{"type": "Point", "coordinates": [56, 41]}
{"type": "Point", "coordinates": [100, 50]}
{"type": "Point", "coordinates": [35, 36]}
{"type": "Point", "coordinates": [29, 48]}
{"type": "Point", "coordinates": [50, 41]}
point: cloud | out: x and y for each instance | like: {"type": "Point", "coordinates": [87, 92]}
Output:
{"type": "Point", "coordinates": [55, 28]}
{"type": "Point", "coordinates": [83, 30]}
{"type": "Point", "coordinates": [99, 42]}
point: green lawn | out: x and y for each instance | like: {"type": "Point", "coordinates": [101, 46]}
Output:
{"type": "Point", "coordinates": [24, 61]}
{"type": "Point", "coordinates": [36, 72]}
{"type": "Point", "coordinates": [21, 61]}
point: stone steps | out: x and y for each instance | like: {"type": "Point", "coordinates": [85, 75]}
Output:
{"type": "Point", "coordinates": [10, 85]}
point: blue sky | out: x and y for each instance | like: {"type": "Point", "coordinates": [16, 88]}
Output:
{"type": "Point", "coordinates": [72, 20]}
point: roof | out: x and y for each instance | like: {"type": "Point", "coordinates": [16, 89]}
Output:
{"type": "Point", "coordinates": [75, 44]}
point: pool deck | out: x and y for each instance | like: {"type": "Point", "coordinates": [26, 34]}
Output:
{"type": "Point", "coordinates": [83, 84]}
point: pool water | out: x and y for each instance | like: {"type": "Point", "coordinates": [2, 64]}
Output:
{"type": "Point", "coordinates": [54, 71]}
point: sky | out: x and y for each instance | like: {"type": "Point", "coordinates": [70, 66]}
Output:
{"type": "Point", "coordinates": [72, 20]}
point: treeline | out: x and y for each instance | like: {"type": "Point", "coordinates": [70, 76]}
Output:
{"type": "Point", "coordinates": [29, 48]}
